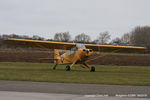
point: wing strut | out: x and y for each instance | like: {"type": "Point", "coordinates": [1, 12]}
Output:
{"type": "Point", "coordinates": [103, 55]}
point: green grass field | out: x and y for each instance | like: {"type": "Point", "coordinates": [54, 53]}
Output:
{"type": "Point", "coordinates": [123, 75]}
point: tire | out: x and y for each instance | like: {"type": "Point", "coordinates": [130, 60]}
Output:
{"type": "Point", "coordinates": [54, 68]}
{"type": "Point", "coordinates": [67, 68]}
{"type": "Point", "coordinates": [92, 69]}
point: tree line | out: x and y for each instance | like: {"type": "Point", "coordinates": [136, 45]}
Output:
{"type": "Point", "coordinates": [102, 38]}
{"type": "Point", "coordinates": [139, 36]}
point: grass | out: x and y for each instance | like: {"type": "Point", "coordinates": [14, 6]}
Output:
{"type": "Point", "coordinates": [122, 75]}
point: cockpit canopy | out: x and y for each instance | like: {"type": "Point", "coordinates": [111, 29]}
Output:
{"type": "Point", "coordinates": [73, 50]}
{"type": "Point", "coordinates": [80, 46]}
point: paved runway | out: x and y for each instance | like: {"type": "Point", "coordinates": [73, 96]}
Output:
{"type": "Point", "coordinates": [77, 90]}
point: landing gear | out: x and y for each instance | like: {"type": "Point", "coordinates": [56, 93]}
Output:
{"type": "Point", "coordinates": [54, 67]}
{"type": "Point", "coordinates": [92, 69]}
{"type": "Point", "coordinates": [67, 68]}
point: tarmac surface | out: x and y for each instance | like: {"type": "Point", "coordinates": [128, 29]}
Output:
{"type": "Point", "coordinates": [64, 91]}
{"type": "Point", "coordinates": [5, 95]}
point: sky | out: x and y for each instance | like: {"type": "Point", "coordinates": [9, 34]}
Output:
{"type": "Point", "coordinates": [47, 17]}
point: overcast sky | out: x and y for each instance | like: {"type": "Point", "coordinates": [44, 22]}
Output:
{"type": "Point", "coordinates": [46, 17]}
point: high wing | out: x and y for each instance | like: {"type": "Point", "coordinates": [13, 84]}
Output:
{"type": "Point", "coordinates": [116, 49]}
{"type": "Point", "coordinates": [40, 44]}
{"type": "Point", "coordinates": [68, 46]}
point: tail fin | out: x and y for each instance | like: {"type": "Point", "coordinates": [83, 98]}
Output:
{"type": "Point", "coordinates": [56, 56]}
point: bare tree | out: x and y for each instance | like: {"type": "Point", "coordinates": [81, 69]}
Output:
{"type": "Point", "coordinates": [82, 38]}
{"type": "Point", "coordinates": [116, 41]}
{"type": "Point", "coordinates": [141, 36]}
{"type": "Point", "coordinates": [62, 36]}
{"type": "Point", "coordinates": [103, 38]}
{"type": "Point", "coordinates": [126, 39]}
{"type": "Point", "coordinates": [36, 37]}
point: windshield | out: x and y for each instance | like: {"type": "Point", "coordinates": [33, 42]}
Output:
{"type": "Point", "coordinates": [80, 46]}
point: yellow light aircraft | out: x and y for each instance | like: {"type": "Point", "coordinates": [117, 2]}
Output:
{"type": "Point", "coordinates": [76, 53]}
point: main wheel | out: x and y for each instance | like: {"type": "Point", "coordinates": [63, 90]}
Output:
{"type": "Point", "coordinates": [54, 68]}
{"type": "Point", "coordinates": [67, 68]}
{"type": "Point", "coordinates": [92, 69]}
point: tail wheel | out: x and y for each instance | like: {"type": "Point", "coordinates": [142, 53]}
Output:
{"type": "Point", "coordinates": [67, 68]}
{"type": "Point", "coordinates": [92, 69]}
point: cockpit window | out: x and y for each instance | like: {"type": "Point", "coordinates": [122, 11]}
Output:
{"type": "Point", "coordinates": [80, 46]}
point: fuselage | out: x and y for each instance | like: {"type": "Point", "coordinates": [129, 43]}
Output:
{"type": "Point", "coordinates": [78, 54]}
